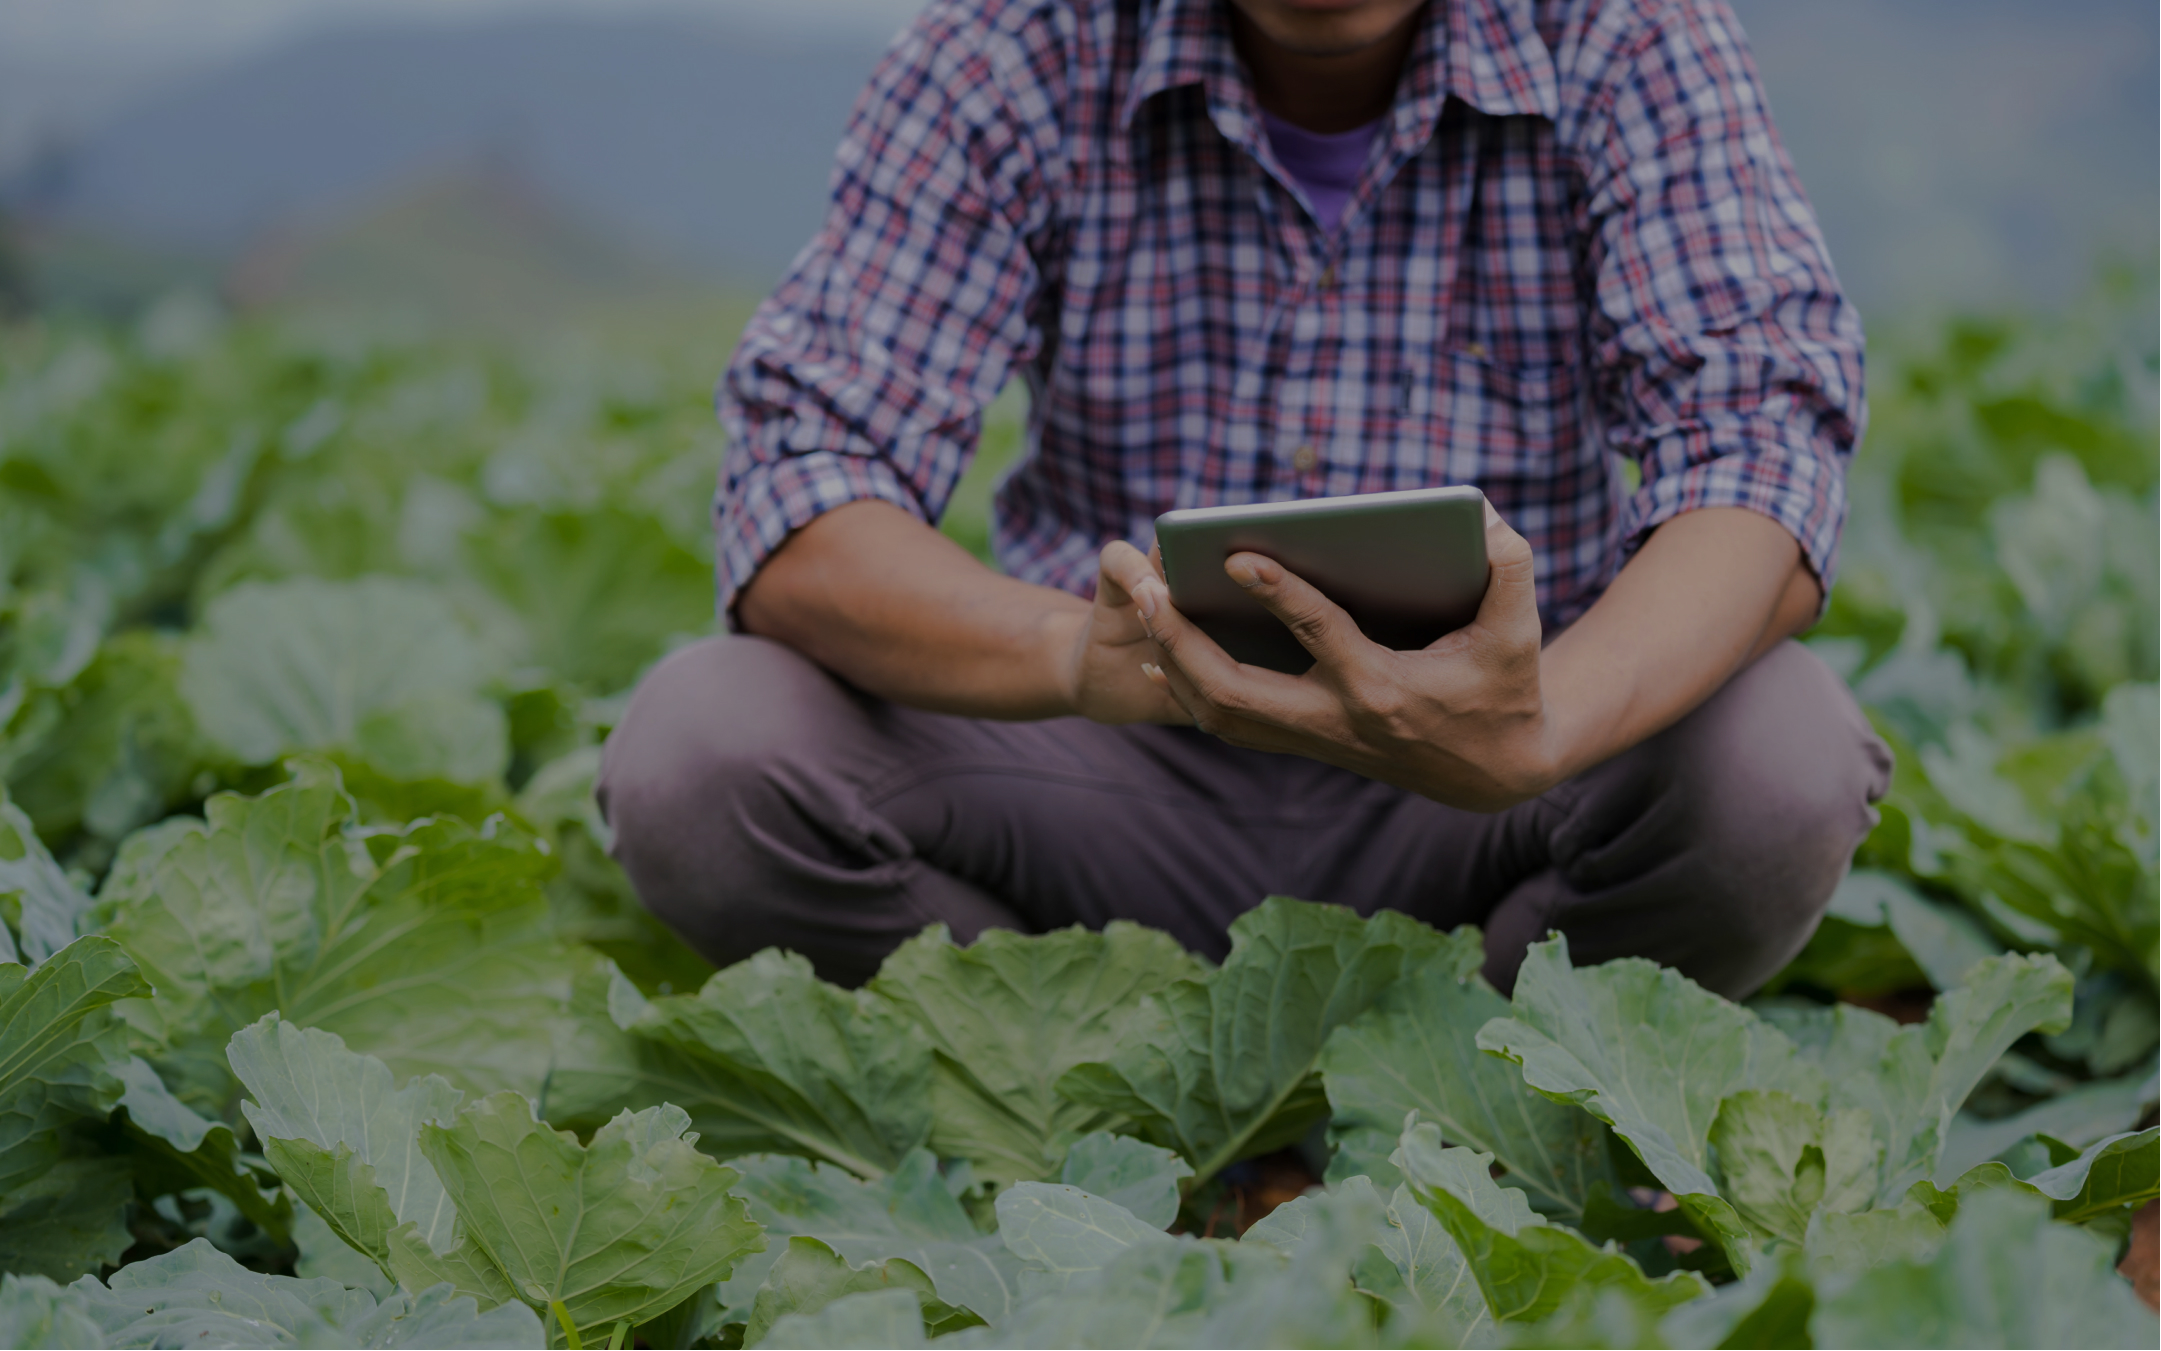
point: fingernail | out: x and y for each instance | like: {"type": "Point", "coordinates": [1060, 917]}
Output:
{"type": "Point", "coordinates": [1151, 670]}
{"type": "Point", "coordinates": [1144, 596]}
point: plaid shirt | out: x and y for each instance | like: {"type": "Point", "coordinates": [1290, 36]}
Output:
{"type": "Point", "coordinates": [1577, 238]}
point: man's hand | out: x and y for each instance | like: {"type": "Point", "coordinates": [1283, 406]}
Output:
{"type": "Point", "coordinates": [1106, 679]}
{"type": "Point", "coordinates": [1463, 721]}
{"type": "Point", "coordinates": [1483, 718]}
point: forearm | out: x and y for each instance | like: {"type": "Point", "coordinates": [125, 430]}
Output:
{"type": "Point", "coordinates": [898, 610]}
{"type": "Point", "coordinates": [1707, 594]}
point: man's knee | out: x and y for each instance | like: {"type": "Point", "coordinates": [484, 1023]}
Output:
{"type": "Point", "coordinates": [711, 726]}
{"type": "Point", "coordinates": [1745, 816]}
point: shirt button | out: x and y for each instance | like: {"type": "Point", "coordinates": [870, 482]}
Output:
{"type": "Point", "coordinates": [1475, 351]}
{"type": "Point", "coordinates": [1305, 460]}
{"type": "Point", "coordinates": [1328, 277]}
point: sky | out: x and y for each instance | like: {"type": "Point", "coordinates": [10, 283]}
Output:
{"type": "Point", "coordinates": [66, 64]}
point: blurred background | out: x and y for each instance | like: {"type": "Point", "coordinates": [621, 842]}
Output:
{"type": "Point", "coordinates": [490, 161]}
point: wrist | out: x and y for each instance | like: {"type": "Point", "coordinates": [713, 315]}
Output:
{"type": "Point", "coordinates": [1057, 658]}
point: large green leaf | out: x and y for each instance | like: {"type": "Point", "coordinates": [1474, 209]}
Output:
{"type": "Point", "coordinates": [874, 1320]}
{"type": "Point", "coordinates": [427, 946]}
{"type": "Point", "coordinates": [43, 909]}
{"type": "Point", "coordinates": [2006, 1275]}
{"type": "Point", "coordinates": [910, 1213]}
{"type": "Point", "coordinates": [1137, 1176]}
{"type": "Point", "coordinates": [1527, 1269]}
{"type": "Point", "coordinates": [379, 668]}
{"type": "Point", "coordinates": [59, 1042]}
{"type": "Point", "coordinates": [1641, 1047]}
{"type": "Point", "coordinates": [1913, 1080]}
{"type": "Point", "coordinates": [623, 1228]}
{"type": "Point", "coordinates": [2121, 1171]}
{"type": "Point", "coordinates": [335, 1127]}
{"type": "Point", "coordinates": [1007, 1016]}
{"type": "Point", "coordinates": [36, 1311]}
{"type": "Point", "coordinates": [1062, 1234]}
{"type": "Point", "coordinates": [810, 1275]}
{"type": "Point", "coordinates": [68, 1218]}
{"type": "Point", "coordinates": [57, 1037]}
{"type": "Point", "coordinates": [175, 1149]}
{"type": "Point", "coordinates": [198, 1296]}
{"type": "Point", "coordinates": [1224, 1067]}
{"type": "Point", "coordinates": [598, 593]}
{"type": "Point", "coordinates": [768, 1057]}
{"type": "Point", "coordinates": [1417, 1051]}
{"type": "Point", "coordinates": [1295, 1291]}
{"type": "Point", "coordinates": [1781, 1159]}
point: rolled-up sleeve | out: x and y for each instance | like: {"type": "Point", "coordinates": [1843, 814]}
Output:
{"type": "Point", "coordinates": [1728, 363]}
{"type": "Point", "coordinates": [865, 375]}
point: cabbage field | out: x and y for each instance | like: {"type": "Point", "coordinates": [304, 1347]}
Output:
{"type": "Point", "coordinates": [326, 1020]}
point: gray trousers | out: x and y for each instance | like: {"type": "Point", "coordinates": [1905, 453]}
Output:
{"type": "Point", "coordinates": [757, 800]}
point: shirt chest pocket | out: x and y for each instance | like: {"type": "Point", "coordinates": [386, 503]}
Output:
{"type": "Point", "coordinates": [1480, 419]}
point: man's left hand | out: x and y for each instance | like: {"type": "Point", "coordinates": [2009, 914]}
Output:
{"type": "Point", "coordinates": [1463, 721]}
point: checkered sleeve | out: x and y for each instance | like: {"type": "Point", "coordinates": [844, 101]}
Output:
{"type": "Point", "coordinates": [1730, 365]}
{"type": "Point", "coordinates": [864, 376]}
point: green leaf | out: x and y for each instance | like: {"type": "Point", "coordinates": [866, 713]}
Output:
{"type": "Point", "coordinates": [870, 1319]}
{"type": "Point", "coordinates": [1782, 1159]}
{"type": "Point", "coordinates": [1944, 942]}
{"type": "Point", "coordinates": [768, 1057]}
{"type": "Point", "coordinates": [323, 1254]}
{"type": "Point", "coordinates": [1062, 1234]}
{"type": "Point", "coordinates": [428, 946]}
{"type": "Point", "coordinates": [810, 1275]}
{"type": "Point", "coordinates": [1435, 1273]}
{"type": "Point", "coordinates": [1417, 1050]}
{"type": "Point", "coordinates": [598, 594]}
{"type": "Point", "coordinates": [2006, 1275]}
{"type": "Point", "coordinates": [56, 1034]}
{"type": "Point", "coordinates": [1641, 1047]}
{"type": "Point", "coordinates": [623, 1228]}
{"type": "Point", "coordinates": [1185, 1292]}
{"type": "Point", "coordinates": [37, 1312]}
{"type": "Point", "coordinates": [335, 1127]}
{"type": "Point", "coordinates": [1010, 1013]}
{"type": "Point", "coordinates": [1841, 1242]}
{"type": "Point", "coordinates": [1912, 1080]}
{"type": "Point", "coordinates": [44, 909]}
{"type": "Point", "coordinates": [2085, 1114]}
{"type": "Point", "coordinates": [1120, 1169]}
{"type": "Point", "coordinates": [2109, 1175]}
{"type": "Point", "coordinates": [67, 1219]}
{"type": "Point", "coordinates": [910, 1214]}
{"type": "Point", "coordinates": [61, 1216]}
{"type": "Point", "coordinates": [1769, 1307]}
{"type": "Point", "coordinates": [1526, 1268]}
{"type": "Point", "coordinates": [176, 1150]}
{"type": "Point", "coordinates": [1225, 1067]}
{"type": "Point", "coordinates": [379, 667]}
{"type": "Point", "coordinates": [198, 1296]}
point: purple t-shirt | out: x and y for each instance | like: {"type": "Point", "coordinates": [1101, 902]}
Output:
{"type": "Point", "coordinates": [1326, 166]}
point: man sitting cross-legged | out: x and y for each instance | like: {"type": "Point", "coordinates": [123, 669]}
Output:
{"type": "Point", "coordinates": [1251, 250]}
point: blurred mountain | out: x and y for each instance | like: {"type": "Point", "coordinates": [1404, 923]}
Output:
{"type": "Point", "coordinates": [472, 246]}
{"type": "Point", "coordinates": [686, 140]}
{"type": "Point", "coordinates": [1967, 152]}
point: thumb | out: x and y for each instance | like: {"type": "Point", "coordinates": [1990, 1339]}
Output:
{"type": "Point", "coordinates": [1511, 598]}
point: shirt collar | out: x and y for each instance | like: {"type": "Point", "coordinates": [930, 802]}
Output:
{"type": "Point", "coordinates": [1484, 52]}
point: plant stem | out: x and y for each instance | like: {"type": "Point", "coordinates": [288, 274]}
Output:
{"type": "Point", "coordinates": [570, 1329]}
{"type": "Point", "coordinates": [620, 1336]}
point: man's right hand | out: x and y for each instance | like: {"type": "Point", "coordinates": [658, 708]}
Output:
{"type": "Point", "coordinates": [896, 609]}
{"type": "Point", "coordinates": [1105, 682]}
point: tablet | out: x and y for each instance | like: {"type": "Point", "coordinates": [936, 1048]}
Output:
{"type": "Point", "coordinates": [1408, 566]}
